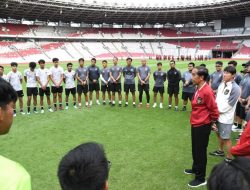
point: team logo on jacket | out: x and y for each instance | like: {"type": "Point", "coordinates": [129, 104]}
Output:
{"type": "Point", "coordinates": [199, 100]}
{"type": "Point", "coordinates": [226, 92]}
{"type": "Point", "coordinates": [161, 74]}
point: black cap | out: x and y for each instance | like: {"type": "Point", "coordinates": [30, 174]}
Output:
{"type": "Point", "coordinates": [246, 64]}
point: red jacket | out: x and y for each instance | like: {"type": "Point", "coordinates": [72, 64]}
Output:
{"type": "Point", "coordinates": [204, 107]}
{"type": "Point", "coordinates": [243, 146]}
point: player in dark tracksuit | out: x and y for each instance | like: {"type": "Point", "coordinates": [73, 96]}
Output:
{"type": "Point", "coordinates": [94, 75]}
{"type": "Point", "coordinates": [216, 77]}
{"type": "Point", "coordinates": [129, 74]}
{"type": "Point", "coordinates": [174, 77]}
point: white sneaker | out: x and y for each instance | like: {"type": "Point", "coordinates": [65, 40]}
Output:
{"type": "Point", "coordinates": [35, 111]}
{"type": "Point", "coordinates": [90, 103]}
{"type": "Point", "coordinates": [67, 107]}
{"type": "Point", "coordinates": [22, 113]}
{"type": "Point", "coordinates": [75, 106]}
{"type": "Point", "coordinates": [97, 102]}
{"type": "Point", "coordinates": [234, 127]}
{"type": "Point", "coordinates": [42, 111]}
{"type": "Point", "coordinates": [28, 113]}
{"type": "Point", "coordinates": [50, 110]}
{"type": "Point", "coordinates": [14, 114]}
{"type": "Point", "coordinates": [154, 106]}
{"type": "Point", "coordinates": [161, 106]}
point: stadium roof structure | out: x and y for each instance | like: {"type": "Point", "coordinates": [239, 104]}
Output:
{"type": "Point", "coordinates": [119, 12]}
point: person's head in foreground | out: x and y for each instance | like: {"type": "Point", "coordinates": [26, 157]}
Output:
{"type": "Point", "coordinates": [8, 98]}
{"type": "Point", "coordinates": [234, 175]}
{"type": "Point", "coordinates": [84, 168]}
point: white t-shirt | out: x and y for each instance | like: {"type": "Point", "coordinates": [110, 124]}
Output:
{"type": "Point", "coordinates": [56, 73]}
{"type": "Point", "coordinates": [69, 79]}
{"type": "Point", "coordinates": [31, 78]}
{"type": "Point", "coordinates": [4, 77]}
{"type": "Point", "coordinates": [43, 75]}
{"type": "Point", "coordinates": [14, 80]}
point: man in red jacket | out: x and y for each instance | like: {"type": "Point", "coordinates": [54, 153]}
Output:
{"type": "Point", "coordinates": [243, 146]}
{"type": "Point", "coordinates": [204, 114]}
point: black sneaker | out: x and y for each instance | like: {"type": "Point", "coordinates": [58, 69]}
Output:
{"type": "Point", "coordinates": [184, 109]}
{"type": "Point", "coordinates": [217, 153]}
{"type": "Point", "coordinates": [169, 107]}
{"type": "Point", "coordinates": [104, 103]}
{"type": "Point", "coordinates": [228, 160]}
{"type": "Point", "coordinates": [197, 183]}
{"type": "Point", "coordinates": [120, 105]}
{"type": "Point", "coordinates": [110, 103]}
{"type": "Point", "coordinates": [134, 105]}
{"type": "Point", "coordinates": [113, 105]}
{"type": "Point", "coordinates": [189, 171]}
{"type": "Point", "coordinates": [126, 105]}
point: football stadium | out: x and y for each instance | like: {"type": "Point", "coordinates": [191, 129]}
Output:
{"type": "Point", "coordinates": [124, 95]}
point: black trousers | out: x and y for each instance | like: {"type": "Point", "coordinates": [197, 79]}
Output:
{"type": "Point", "coordinates": [200, 138]}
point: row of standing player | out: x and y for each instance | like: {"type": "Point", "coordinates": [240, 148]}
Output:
{"type": "Point", "coordinates": [88, 81]}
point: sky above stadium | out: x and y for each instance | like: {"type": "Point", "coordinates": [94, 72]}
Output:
{"type": "Point", "coordinates": [154, 3]}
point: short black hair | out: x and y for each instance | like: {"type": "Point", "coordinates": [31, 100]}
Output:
{"type": "Point", "coordinates": [105, 61]}
{"type": "Point", "coordinates": [7, 93]}
{"type": "Point", "coordinates": [202, 71]}
{"type": "Point", "coordinates": [13, 64]}
{"type": "Point", "coordinates": [41, 61]}
{"type": "Point", "coordinates": [159, 63]}
{"type": "Point", "coordinates": [84, 167]}
{"type": "Point", "coordinates": [81, 59]}
{"type": "Point", "coordinates": [219, 63]}
{"type": "Point", "coordinates": [232, 175]}
{"type": "Point", "coordinates": [234, 63]}
{"type": "Point", "coordinates": [172, 61]}
{"type": "Point", "coordinates": [55, 60]}
{"type": "Point", "coordinates": [1, 67]}
{"type": "Point", "coordinates": [203, 65]}
{"type": "Point", "coordinates": [191, 63]}
{"type": "Point", "coordinates": [93, 59]}
{"type": "Point", "coordinates": [68, 64]}
{"type": "Point", "coordinates": [230, 69]}
{"type": "Point", "coordinates": [129, 58]}
{"type": "Point", "coordinates": [32, 65]}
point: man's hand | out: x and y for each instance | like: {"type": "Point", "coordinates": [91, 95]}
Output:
{"type": "Point", "coordinates": [44, 87]}
{"type": "Point", "coordinates": [142, 82]}
{"type": "Point", "coordinates": [94, 81]}
{"type": "Point", "coordinates": [214, 127]}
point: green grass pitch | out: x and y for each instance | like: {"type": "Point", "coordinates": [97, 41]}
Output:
{"type": "Point", "coordinates": [149, 149]}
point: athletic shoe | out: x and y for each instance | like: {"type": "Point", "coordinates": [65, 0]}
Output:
{"type": "Point", "coordinates": [55, 109]}
{"type": "Point", "coordinates": [98, 103]}
{"type": "Point", "coordinates": [139, 105]}
{"type": "Point", "coordinates": [120, 105]}
{"type": "Point", "coordinates": [154, 106]}
{"type": "Point", "coordinates": [14, 114]}
{"type": "Point", "coordinates": [217, 153]}
{"type": "Point", "coordinates": [147, 106]}
{"type": "Point", "coordinates": [176, 109]}
{"type": "Point", "coordinates": [188, 171]}
{"type": "Point", "coordinates": [35, 111]}
{"type": "Point", "coordinates": [161, 106]}
{"type": "Point", "coordinates": [234, 127]}
{"type": "Point", "coordinates": [22, 113]}
{"type": "Point", "coordinates": [126, 105]}
{"type": "Point", "coordinates": [90, 103]}
{"type": "Point", "coordinates": [110, 103]}
{"type": "Point", "coordinates": [134, 105]}
{"type": "Point", "coordinates": [51, 110]}
{"type": "Point", "coordinates": [197, 183]}
{"type": "Point", "coordinates": [66, 108]}
{"type": "Point", "coordinates": [169, 107]}
{"type": "Point", "coordinates": [42, 111]}
{"type": "Point", "coordinates": [238, 129]}
{"type": "Point", "coordinates": [113, 105]}
{"type": "Point", "coordinates": [228, 160]}
{"type": "Point", "coordinates": [184, 109]}
{"type": "Point", "coordinates": [28, 113]}
{"type": "Point", "coordinates": [75, 106]}
{"type": "Point", "coordinates": [61, 108]}
{"type": "Point", "coordinates": [104, 103]}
